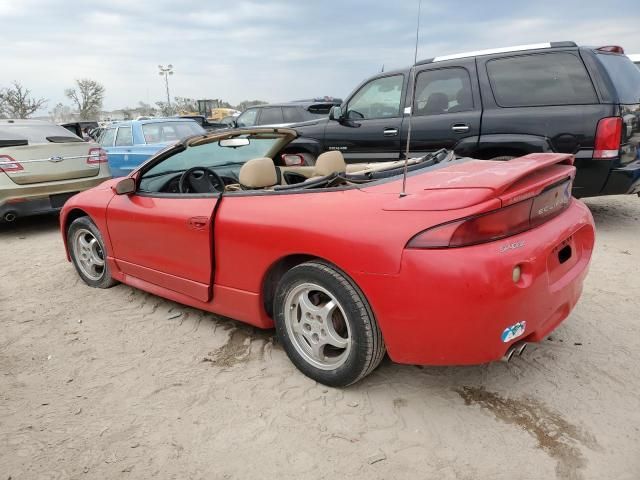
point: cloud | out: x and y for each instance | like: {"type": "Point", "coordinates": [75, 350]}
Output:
{"type": "Point", "coordinates": [276, 50]}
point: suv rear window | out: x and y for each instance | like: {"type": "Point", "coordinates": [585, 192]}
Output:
{"type": "Point", "coordinates": [537, 80]}
{"type": "Point", "coordinates": [170, 131]}
{"type": "Point", "coordinates": [35, 133]}
{"type": "Point", "coordinates": [624, 75]}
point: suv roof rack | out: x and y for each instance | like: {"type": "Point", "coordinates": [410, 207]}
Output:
{"type": "Point", "coordinates": [516, 48]}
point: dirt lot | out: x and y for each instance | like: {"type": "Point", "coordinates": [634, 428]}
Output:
{"type": "Point", "coordinates": [122, 384]}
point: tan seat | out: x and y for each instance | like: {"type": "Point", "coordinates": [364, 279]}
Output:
{"type": "Point", "coordinates": [328, 163]}
{"type": "Point", "coordinates": [258, 173]}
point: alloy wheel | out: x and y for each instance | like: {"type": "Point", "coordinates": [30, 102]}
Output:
{"type": "Point", "coordinates": [317, 326]}
{"type": "Point", "coordinates": [89, 254]}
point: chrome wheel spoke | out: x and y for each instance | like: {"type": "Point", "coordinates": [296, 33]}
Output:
{"type": "Point", "coordinates": [333, 338]}
{"type": "Point", "coordinates": [318, 350]}
{"type": "Point", "coordinates": [309, 310]}
{"type": "Point", "coordinates": [84, 243]}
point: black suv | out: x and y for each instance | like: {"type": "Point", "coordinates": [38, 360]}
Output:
{"type": "Point", "coordinates": [284, 114]}
{"type": "Point", "coordinates": [554, 97]}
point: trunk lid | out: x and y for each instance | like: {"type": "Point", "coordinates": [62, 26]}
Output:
{"type": "Point", "coordinates": [472, 182]}
{"type": "Point", "coordinates": [49, 162]}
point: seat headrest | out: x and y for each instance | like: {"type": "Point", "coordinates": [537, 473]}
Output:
{"type": "Point", "coordinates": [258, 173]}
{"type": "Point", "coordinates": [437, 103]}
{"type": "Point", "coordinates": [328, 163]}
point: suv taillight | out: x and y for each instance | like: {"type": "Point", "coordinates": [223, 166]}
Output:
{"type": "Point", "coordinates": [8, 164]}
{"type": "Point", "coordinates": [292, 159]}
{"type": "Point", "coordinates": [497, 224]}
{"type": "Point", "coordinates": [97, 155]}
{"type": "Point", "coordinates": [608, 138]}
{"type": "Point", "coordinates": [612, 49]}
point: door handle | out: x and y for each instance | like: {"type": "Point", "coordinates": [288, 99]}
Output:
{"type": "Point", "coordinates": [460, 128]}
{"type": "Point", "coordinates": [197, 223]}
{"type": "Point", "coordinates": [390, 132]}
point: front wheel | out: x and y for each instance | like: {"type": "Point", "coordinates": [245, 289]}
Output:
{"type": "Point", "coordinates": [326, 325]}
{"type": "Point", "coordinates": [87, 251]}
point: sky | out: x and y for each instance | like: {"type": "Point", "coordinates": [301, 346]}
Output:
{"type": "Point", "coordinates": [271, 50]}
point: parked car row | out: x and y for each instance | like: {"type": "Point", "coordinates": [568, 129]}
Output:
{"type": "Point", "coordinates": [499, 104]}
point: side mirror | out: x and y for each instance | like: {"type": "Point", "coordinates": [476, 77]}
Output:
{"type": "Point", "coordinates": [335, 113]}
{"type": "Point", "coordinates": [126, 186]}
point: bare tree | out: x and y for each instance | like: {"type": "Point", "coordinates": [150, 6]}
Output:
{"type": "Point", "coordinates": [88, 97]}
{"type": "Point", "coordinates": [165, 109]}
{"type": "Point", "coordinates": [144, 109]}
{"type": "Point", "coordinates": [242, 106]}
{"type": "Point", "coordinates": [61, 113]}
{"type": "Point", "coordinates": [185, 105]}
{"type": "Point", "coordinates": [17, 102]}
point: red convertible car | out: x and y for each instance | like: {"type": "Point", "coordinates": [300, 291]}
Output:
{"type": "Point", "coordinates": [470, 263]}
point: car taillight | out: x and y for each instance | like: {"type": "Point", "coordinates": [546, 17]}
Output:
{"type": "Point", "coordinates": [612, 49]}
{"type": "Point", "coordinates": [496, 224]}
{"type": "Point", "coordinates": [97, 155]}
{"type": "Point", "coordinates": [8, 164]}
{"type": "Point", "coordinates": [608, 138]}
{"type": "Point", "coordinates": [292, 159]}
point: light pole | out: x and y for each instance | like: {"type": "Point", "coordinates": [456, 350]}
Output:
{"type": "Point", "coordinates": [166, 71]}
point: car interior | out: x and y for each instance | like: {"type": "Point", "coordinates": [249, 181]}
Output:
{"type": "Point", "coordinates": [328, 170]}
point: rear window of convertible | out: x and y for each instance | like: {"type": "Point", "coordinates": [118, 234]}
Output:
{"type": "Point", "coordinates": [541, 79]}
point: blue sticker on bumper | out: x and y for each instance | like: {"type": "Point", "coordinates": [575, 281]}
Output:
{"type": "Point", "coordinates": [514, 331]}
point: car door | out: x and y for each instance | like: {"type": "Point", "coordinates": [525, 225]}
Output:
{"type": "Point", "coordinates": [446, 109]}
{"type": "Point", "coordinates": [165, 239]}
{"type": "Point", "coordinates": [372, 118]}
{"type": "Point", "coordinates": [121, 152]}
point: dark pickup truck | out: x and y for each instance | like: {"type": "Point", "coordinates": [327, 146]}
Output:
{"type": "Point", "coordinates": [499, 104]}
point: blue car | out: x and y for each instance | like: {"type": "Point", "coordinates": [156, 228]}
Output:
{"type": "Point", "coordinates": [132, 142]}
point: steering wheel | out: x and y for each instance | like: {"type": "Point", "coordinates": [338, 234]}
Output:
{"type": "Point", "coordinates": [200, 180]}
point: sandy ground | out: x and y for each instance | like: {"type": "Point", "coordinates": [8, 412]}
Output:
{"type": "Point", "coordinates": [122, 384]}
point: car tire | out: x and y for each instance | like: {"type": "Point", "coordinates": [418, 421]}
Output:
{"type": "Point", "coordinates": [87, 252]}
{"type": "Point", "coordinates": [503, 158]}
{"type": "Point", "coordinates": [326, 325]}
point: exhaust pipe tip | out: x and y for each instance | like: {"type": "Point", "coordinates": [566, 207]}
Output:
{"type": "Point", "coordinates": [515, 349]}
{"type": "Point", "coordinates": [9, 217]}
{"type": "Point", "coordinates": [521, 348]}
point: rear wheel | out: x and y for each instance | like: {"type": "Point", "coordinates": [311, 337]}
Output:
{"type": "Point", "coordinates": [87, 252]}
{"type": "Point", "coordinates": [326, 325]}
{"type": "Point", "coordinates": [503, 158]}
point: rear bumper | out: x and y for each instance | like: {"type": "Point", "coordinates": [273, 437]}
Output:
{"type": "Point", "coordinates": [25, 200]}
{"type": "Point", "coordinates": [452, 307]}
{"type": "Point", "coordinates": [623, 180]}
{"type": "Point", "coordinates": [601, 177]}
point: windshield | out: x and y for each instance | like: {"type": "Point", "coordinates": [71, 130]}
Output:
{"type": "Point", "coordinates": [212, 155]}
{"type": "Point", "coordinates": [35, 133]}
{"type": "Point", "coordinates": [624, 75]}
{"type": "Point", "coordinates": [170, 131]}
